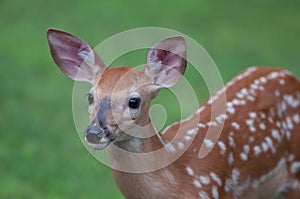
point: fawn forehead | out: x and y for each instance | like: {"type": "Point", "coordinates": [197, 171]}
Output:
{"type": "Point", "coordinates": [118, 80]}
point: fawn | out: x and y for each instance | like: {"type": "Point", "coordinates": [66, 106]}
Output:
{"type": "Point", "coordinates": [257, 154]}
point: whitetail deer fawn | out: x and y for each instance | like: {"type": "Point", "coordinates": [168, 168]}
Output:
{"type": "Point", "coordinates": [256, 156]}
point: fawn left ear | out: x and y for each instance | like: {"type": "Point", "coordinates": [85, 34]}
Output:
{"type": "Point", "coordinates": [74, 57]}
{"type": "Point", "coordinates": [166, 61]}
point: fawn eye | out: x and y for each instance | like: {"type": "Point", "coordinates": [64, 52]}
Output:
{"type": "Point", "coordinates": [134, 102]}
{"type": "Point", "coordinates": [90, 98]}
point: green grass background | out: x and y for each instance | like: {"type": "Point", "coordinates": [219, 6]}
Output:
{"type": "Point", "coordinates": [41, 155]}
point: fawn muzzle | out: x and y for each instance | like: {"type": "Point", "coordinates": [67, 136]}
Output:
{"type": "Point", "coordinates": [93, 134]}
{"type": "Point", "coordinates": [97, 133]}
{"type": "Point", "coordinates": [97, 137]}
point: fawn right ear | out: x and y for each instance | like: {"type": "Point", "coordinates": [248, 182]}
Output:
{"type": "Point", "coordinates": [74, 57]}
{"type": "Point", "coordinates": [166, 61]}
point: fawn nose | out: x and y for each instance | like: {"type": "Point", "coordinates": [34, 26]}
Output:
{"type": "Point", "coordinates": [94, 134]}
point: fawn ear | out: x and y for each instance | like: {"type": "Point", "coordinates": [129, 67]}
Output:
{"type": "Point", "coordinates": [166, 61]}
{"type": "Point", "coordinates": [74, 57]}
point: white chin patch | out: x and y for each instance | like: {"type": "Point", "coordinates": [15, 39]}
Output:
{"type": "Point", "coordinates": [104, 142]}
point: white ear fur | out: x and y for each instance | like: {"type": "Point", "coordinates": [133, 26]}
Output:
{"type": "Point", "coordinates": [74, 57]}
{"type": "Point", "coordinates": [166, 61]}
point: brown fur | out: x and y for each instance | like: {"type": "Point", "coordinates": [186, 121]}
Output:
{"type": "Point", "coordinates": [155, 185]}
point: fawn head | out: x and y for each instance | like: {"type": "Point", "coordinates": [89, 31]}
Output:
{"type": "Point", "coordinates": [120, 97]}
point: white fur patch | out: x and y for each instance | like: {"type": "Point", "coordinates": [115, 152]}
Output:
{"type": "Point", "coordinates": [203, 195]}
{"type": "Point", "coordinates": [222, 147]}
{"type": "Point", "coordinates": [189, 171]}
{"type": "Point", "coordinates": [295, 167]}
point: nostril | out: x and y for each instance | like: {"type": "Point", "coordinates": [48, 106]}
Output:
{"type": "Point", "coordinates": [94, 134]}
{"type": "Point", "coordinates": [94, 130]}
{"type": "Point", "coordinates": [92, 138]}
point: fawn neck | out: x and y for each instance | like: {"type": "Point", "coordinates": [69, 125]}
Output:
{"type": "Point", "coordinates": [140, 185]}
{"type": "Point", "coordinates": [149, 141]}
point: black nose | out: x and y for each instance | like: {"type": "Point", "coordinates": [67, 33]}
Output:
{"type": "Point", "coordinates": [94, 134]}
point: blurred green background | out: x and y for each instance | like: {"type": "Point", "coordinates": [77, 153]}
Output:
{"type": "Point", "coordinates": [41, 155]}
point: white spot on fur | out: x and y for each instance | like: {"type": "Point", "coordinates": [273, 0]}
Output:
{"type": "Point", "coordinates": [295, 167]}
{"type": "Point", "coordinates": [252, 129]}
{"type": "Point", "coordinates": [231, 141]}
{"type": "Point", "coordinates": [211, 123]}
{"type": "Point", "coordinates": [229, 104]}
{"type": "Point", "coordinates": [270, 119]}
{"type": "Point", "coordinates": [278, 124]}
{"type": "Point", "coordinates": [246, 148]}
{"type": "Point", "coordinates": [250, 122]}
{"type": "Point", "coordinates": [230, 110]}
{"type": "Point", "coordinates": [215, 178]}
{"type": "Point", "coordinates": [270, 144]}
{"type": "Point", "coordinates": [197, 183]}
{"type": "Point", "coordinates": [200, 125]}
{"type": "Point", "coordinates": [291, 101]}
{"type": "Point", "coordinates": [235, 175]}
{"type": "Point", "coordinates": [262, 115]}
{"type": "Point", "coordinates": [215, 192]}
{"type": "Point", "coordinates": [187, 138]}
{"type": "Point", "coordinates": [251, 139]}
{"type": "Point", "coordinates": [289, 123]}
{"type": "Point", "coordinates": [180, 145]}
{"type": "Point", "coordinates": [244, 91]}
{"type": "Point", "coordinates": [288, 135]}
{"type": "Point", "coordinates": [250, 98]}
{"type": "Point", "coordinates": [252, 115]}
{"type": "Point", "coordinates": [254, 86]}
{"type": "Point", "coordinates": [257, 150]}
{"type": "Point", "coordinates": [230, 158]}
{"type": "Point", "coordinates": [222, 147]}
{"type": "Point", "coordinates": [236, 102]}
{"type": "Point", "coordinates": [228, 185]}
{"type": "Point", "coordinates": [262, 126]}
{"type": "Point", "coordinates": [283, 106]}
{"type": "Point", "coordinates": [239, 95]}
{"type": "Point", "coordinates": [264, 146]}
{"type": "Point", "coordinates": [263, 80]}
{"type": "Point", "coordinates": [244, 156]}
{"type": "Point", "coordinates": [203, 195]}
{"type": "Point", "coordinates": [189, 171]}
{"type": "Point", "coordinates": [252, 92]}
{"type": "Point", "coordinates": [231, 183]}
{"type": "Point", "coordinates": [235, 125]}
{"type": "Point", "coordinates": [192, 131]}
{"type": "Point", "coordinates": [221, 118]}
{"type": "Point", "coordinates": [291, 157]}
{"type": "Point", "coordinates": [296, 118]}
{"type": "Point", "coordinates": [273, 75]}
{"type": "Point", "coordinates": [208, 143]}
{"type": "Point", "coordinates": [204, 180]}
{"type": "Point", "coordinates": [256, 81]}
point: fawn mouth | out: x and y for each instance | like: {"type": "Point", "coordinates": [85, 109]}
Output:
{"type": "Point", "coordinates": [98, 138]}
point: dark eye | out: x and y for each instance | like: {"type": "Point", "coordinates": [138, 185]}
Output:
{"type": "Point", "coordinates": [134, 102]}
{"type": "Point", "coordinates": [90, 98]}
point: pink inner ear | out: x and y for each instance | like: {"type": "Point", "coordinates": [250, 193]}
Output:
{"type": "Point", "coordinates": [74, 57]}
{"type": "Point", "coordinates": [69, 57]}
{"type": "Point", "coordinates": [171, 59]}
{"type": "Point", "coordinates": [166, 61]}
